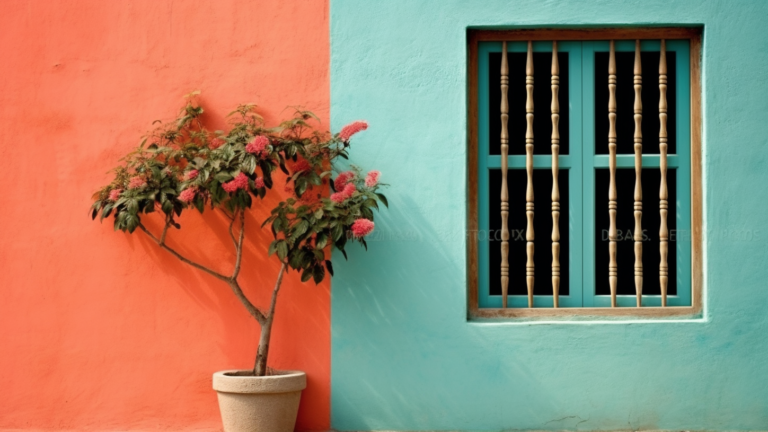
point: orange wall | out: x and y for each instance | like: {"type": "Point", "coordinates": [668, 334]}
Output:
{"type": "Point", "coordinates": [101, 330]}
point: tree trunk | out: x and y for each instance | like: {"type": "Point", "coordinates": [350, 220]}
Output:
{"type": "Point", "coordinates": [260, 368]}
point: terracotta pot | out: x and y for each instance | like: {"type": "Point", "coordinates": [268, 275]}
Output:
{"type": "Point", "coordinates": [259, 404]}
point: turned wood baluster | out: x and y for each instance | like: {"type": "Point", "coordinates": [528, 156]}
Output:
{"type": "Point", "coordinates": [529, 235]}
{"type": "Point", "coordinates": [612, 237]}
{"type": "Point", "coordinates": [638, 237]}
{"type": "Point", "coordinates": [504, 190]}
{"type": "Point", "coordinates": [555, 186]}
{"type": "Point", "coordinates": [663, 195]}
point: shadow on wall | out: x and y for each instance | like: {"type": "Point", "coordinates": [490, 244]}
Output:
{"type": "Point", "coordinates": [402, 344]}
{"type": "Point", "coordinates": [297, 341]}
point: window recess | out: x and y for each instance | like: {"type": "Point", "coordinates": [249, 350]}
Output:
{"type": "Point", "coordinates": [584, 173]}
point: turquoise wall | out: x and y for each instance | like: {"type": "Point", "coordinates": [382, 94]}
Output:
{"type": "Point", "coordinates": [404, 356]}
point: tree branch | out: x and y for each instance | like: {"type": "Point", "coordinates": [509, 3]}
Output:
{"type": "Point", "coordinates": [275, 291]}
{"type": "Point", "coordinates": [238, 245]}
{"type": "Point", "coordinates": [165, 229]}
{"type": "Point", "coordinates": [229, 216]}
{"type": "Point", "coordinates": [231, 235]}
{"type": "Point", "coordinates": [182, 258]}
{"type": "Point", "coordinates": [253, 310]}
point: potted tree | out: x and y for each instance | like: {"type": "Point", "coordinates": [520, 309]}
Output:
{"type": "Point", "coordinates": [181, 165]}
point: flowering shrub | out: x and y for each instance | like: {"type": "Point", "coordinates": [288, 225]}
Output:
{"type": "Point", "coordinates": [181, 165]}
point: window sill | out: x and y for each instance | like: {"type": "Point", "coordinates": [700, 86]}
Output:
{"type": "Point", "coordinates": [586, 315]}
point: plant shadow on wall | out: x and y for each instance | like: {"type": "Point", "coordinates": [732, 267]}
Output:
{"type": "Point", "coordinates": [399, 317]}
{"type": "Point", "coordinates": [182, 166]}
{"type": "Point", "coordinates": [211, 244]}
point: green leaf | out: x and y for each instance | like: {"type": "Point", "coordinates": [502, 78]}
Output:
{"type": "Point", "coordinates": [295, 260]}
{"type": "Point", "coordinates": [272, 248]}
{"type": "Point", "coordinates": [371, 203]}
{"type": "Point", "coordinates": [314, 179]}
{"type": "Point", "coordinates": [301, 186]}
{"type": "Point", "coordinates": [167, 207]}
{"type": "Point", "coordinates": [337, 232]}
{"type": "Point", "coordinates": [223, 177]}
{"type": "Point", "coordinates": [330, 266]}
{"type": "Point", "coordinates": [132, 206]}
{"type": "Point", "coordinates": [322, 240]}
{"type": "Point", "coordinates": [319, 214]}
{"type": "Point", "coordinates": [300, 229]}
{"type": "Point", "coordinates": [283, 168]}
{"type": "Point", "coordinates": [306, 275]}
{"type": "Point", "coordinates": [131, 221]}
{"type": "Point", "coordinates": [282, 250]}
{"type": "Point", "coordinates": [318, 255]}
{"type": "Point", "coordinates": [318, 273]}
{"type": "Point", "coordinates": [107, 210]}
{"type": "Point", "coordinates": [383, 199]}
{"type": "Point", "coordinates": [250, 164]}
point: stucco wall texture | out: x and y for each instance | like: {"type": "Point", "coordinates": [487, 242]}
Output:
{"type": "Point", "coordinates": [404, 356]}
{"type": "Point", "coordinates": [101, 330]}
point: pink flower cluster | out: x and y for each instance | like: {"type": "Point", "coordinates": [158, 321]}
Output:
{"type": "Point", "coordinates": [309, 198]}
{"type": "Point", "coordinates": [190, 175]}
{"type": "Point", "coordinates": [136, 183]}
{"type": "Point", "coordinates": [302, 165]}
{"type": "Point", "coordinates": [240, 182]}
{"type": "Point", "coordinates": [343, 179]}
{"type": "Point", "coordinates": [187, 195]}
{"type": "Point", "coordinates": [258, 145]}
{"type": "Point", "coordinates": [362, 227]}
{"type": "Point", "coordinates": [215, 143]}
{"type": "Point", "coordinates": [259, 182]}
{"type": "Point", "coordinates": [372, 179]}
{"type": "Point", "coordinates": [114, 194]}
{"type": "Point", "coordinates": [345, 194]}
{"type": "Point", "coordinates": [351, 129]}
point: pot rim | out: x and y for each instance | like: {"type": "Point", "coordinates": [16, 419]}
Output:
{"type": "Point", "coordinates": [287, 382]}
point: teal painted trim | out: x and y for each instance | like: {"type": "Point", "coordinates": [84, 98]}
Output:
{"type": "Point", "coordinates": [683, 203]}
{"type": "Point", "coordinates": [483, 198]}
{"type": "Point", "coordinates": [571, 163]}
{"type": "Point", "coordinates": [576, 177]}
{"type": "Point", "coordinates": [631, 300]}
{"type": "Point", "coordinates": [679, 161]}
{"type": "Point", "coordinates": [518, 162]}
{"type": "Point", "coordinates": [628, 161]}
{"type": "Point", "coordinates": [588, 173]}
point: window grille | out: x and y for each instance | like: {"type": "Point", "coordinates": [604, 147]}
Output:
{"type": "Point", "coordinates": [571, 164]}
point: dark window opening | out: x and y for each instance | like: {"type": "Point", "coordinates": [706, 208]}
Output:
{"type": "Point", "coordinates": [542, 225]}
{"type": "Point", "coordinates": [542, 98]}
{"type": "Point", "coordinates": [625, 102]}
{"type": "Point", "coordinates": [625, 224]}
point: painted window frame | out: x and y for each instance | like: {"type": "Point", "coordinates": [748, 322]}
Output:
{"type": "Point", "coordinates": [581, 163]}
